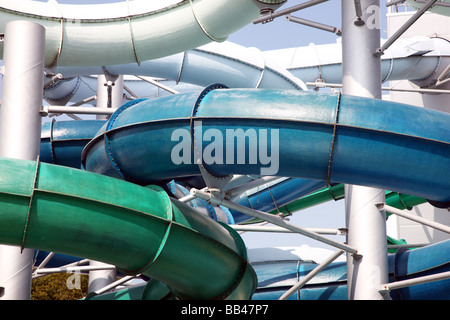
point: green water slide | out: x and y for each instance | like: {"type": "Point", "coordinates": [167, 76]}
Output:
{"type": "Point", "coordinates": [138, 229]}
{"type": "Point", "coordinates": [336, 192]}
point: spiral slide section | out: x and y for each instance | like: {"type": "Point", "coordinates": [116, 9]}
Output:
{"type": "Point", "coordinates": [74, 33]}
{"type": "Point", "coordinates": [62, 143]}
{"type": "Point", "coordinates": [319, 123]}
{"type": "Point", "coordinates": [226, 62]}
{"type": "Point", "coordinates": [331, 283]}
{"type": "Point", "coordinates": [329, 137]}
{"type": "Point", "coordinates": [323, 116]}
{"type": "Point", "coordinates": [417, 59]}
{"type": "Point", "coordinates": [138, 229]}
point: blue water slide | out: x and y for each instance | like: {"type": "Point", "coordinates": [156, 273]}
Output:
{"type": "Point", "coordinates": [271, 197]}
{"type": "Point", "coordinates": [318, 135]}
{"type": "Point", "coordinates": [330, 137]}
{"type": "Point", "coordinates": [63, 142]}
{"type": "Point", "coordinates": [276, 277]}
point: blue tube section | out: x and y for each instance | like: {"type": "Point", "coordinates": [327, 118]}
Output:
{"type": "Point", "coordinates": [217, 213]}
{"type": "Point", "coordinates": [270, 198]}
{"type": "Point", "coordinates": [62, 142]}
{"type": "Point", "coordinates": [327, 137]}
{"type": "Point", "coordinates": [322, 138]}
{"type": "Point", "coordinates": [276, 277]}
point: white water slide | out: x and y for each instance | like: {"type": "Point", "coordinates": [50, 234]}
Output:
{"type": "Point", "coordinates": [130, 31]}
{"type": "Point", "coordinates": [418, 59]}
{"type": "Point", "coordinates": [78, 44]}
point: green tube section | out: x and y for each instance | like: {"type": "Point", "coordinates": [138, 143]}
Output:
{"type": "Point", "coordinates": [138, 229]}
{"type": "Point", "coordinates": [394, 199]}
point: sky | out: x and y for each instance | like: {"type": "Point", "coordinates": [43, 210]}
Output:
{"type": "Point", "coordinates": [278, 34]}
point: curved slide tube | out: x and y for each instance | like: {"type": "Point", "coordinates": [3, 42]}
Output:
{"type": "Point", "coordinates": [226, 62]}
{"type": "Point", "coordinates": [417, 59]}
{"type": "Point", "coordinates": [276, 277]}
{"type": "Point", "coordinates": [239, 67]}
{"type": "Point", "coordinates": [272, 197]}
{"type": "Point", "coordinates": [278, 199]}
{"type": "Point", "coordinates": [394, 104]}
{"type": "Point", "coordinates": [336, 192]}
{"type": "Point", "coordinates": [138, 229]}
{"type": "Point", "coordinates": [74, 32]}
{"type": "Point", "coordinates": [336, 132]}
{"type": "Point", "coordinates": [62, 143]}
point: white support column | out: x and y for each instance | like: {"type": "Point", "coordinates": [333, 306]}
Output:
{"type": "Point", "coordinates": [99, 279]}
{"type": "Point", "coordinates": [109, 92]}
{"type": "Point", "coordinates": [366, 225]}
{"type": "Point", "coordinates": [20, 132]}
{"type": "Point", "coordinates": [109, 96]}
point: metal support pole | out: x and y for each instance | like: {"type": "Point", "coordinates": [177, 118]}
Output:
{"type": "Point", "coordinates": [109, 92]}
{"type": "Point", "coordinates": [44, 263]}
{"type": "Point", "coordinates": [251, 185]}
{"type": "Point", "coordinates": [114, 284]}
{"type": "Point", "coordinates": [46, 110]}
{"type": "Point", "coordinates": [420, 90]}
{"type": "Point", "coordinates": [210, 198]}
{"type": "Point", "coordinates": [74, 269]}
{"type": "Point", "coordinates": [404, 27]}
{"type": "Point", "coordinates": [366, 225]}
{"type": "Point", "coordinates": [20, 132]}
{"type": "Point", "coordinates": [276, 229]}
{"type": "Point", "coordinates": [401, 213]}
{"type": "Point", "coordinates": [411, 282]}
{"type": "Point", "coordinates": [102, 277]}
{"type": "Point", "coordinates": [311, 274]}
{"type": "Point", "coordinates": [157, 84]}
{"type": "Point", "coordinates": [301, 6]}
{"type": "Point", "coordinates": [109, 96]}
{"type": "Point", "coordinates": [313, 24]}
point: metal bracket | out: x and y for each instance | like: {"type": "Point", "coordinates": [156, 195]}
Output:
{"type": "Point", "coordinates": [359, 22]}
{"type": "Point", "coordinates": [314, 24]}
{"type": "Point", "coordinates": [403, 28]}
{"type": "Point", "coordinates": [212, 181]}
{"type": "Point", "coordinates": [267, 17]}
{"type": "Point", "coordinates": [54, 78]}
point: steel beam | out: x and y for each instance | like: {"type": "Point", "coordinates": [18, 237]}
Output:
{"type": "Point", "coordinates": [311, 274]}
{"type": "Point", "coordinates": [20, 132]}
{"type": "Point", "coordinates": [215, 200]}
{"type": "Point", "coordinates": [269, 17]}
{"type": "Point", "coordinates": [404, 27]}
{"type": "Point", "coordinates": [366, 225]}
